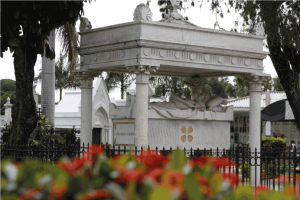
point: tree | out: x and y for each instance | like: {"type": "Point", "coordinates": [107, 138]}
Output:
{"type": "Point", "coordinates": [219, 85]}
{"type": "Point", "coordinates": [118, 80]}
{"type": "Point", "coordinates": [281, 24]}
{"type": "Point", "coordinates": [282, 31]}
{"type": "Point", "coordinates": [63, 79]}
{"type": "Point", "coordinates": [170, 85]}
{"type": "Point", "coordinates": [276, 84]}
{"type": "Point", "coordinates": [26, 34]}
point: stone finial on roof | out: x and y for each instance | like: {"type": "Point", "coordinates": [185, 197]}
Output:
{"type": "Point", "coordinates": [259, 29]}
{"type": "Point", "coordinates": [85, 24]}
{"type": "Point", "coordinates": [142, 12]}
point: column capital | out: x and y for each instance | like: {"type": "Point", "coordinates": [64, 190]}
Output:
{"type": "Point", "coordinates": [256, 78]}
{"type": "Point", "coordinates": [142, 69]}
{"type": "Point", "coordinates": [86, 77]}
{"type": "Point", "coordinates": [85, 74]}
{"type": "Point", "coordinates": [255, 82]}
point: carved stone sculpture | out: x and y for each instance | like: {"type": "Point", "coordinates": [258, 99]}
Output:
{"type": "Point", "coordinates": [142, 12]}
{"type": "Point", "coordinates": [85, 24]}
{"type": "Point", "coordinates": [174, 16]}
{"type": "Point", "coordinates": [176, 102]}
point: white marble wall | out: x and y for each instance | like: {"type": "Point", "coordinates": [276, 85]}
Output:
{"type": "Point", "coordinates": [187, 133]}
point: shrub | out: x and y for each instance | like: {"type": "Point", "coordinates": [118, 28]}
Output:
{"type": "Point", "coordinates": [147, 176]}
{"type": "Point", "coordinates": [274, 142]}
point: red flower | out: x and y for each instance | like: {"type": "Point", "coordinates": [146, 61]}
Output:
{"type": "Point", "coordinates": [222, 162]}
{"type": "Point", "coordinates": [152, 160]}
{"type": "Point", "coordinates": [29, 194]}
{"type": "Point", "coordinates": [134, 174]}
{"type": "Point", "coordinates": [74, 166]}
{"type": "Point", "coordinates": [231, 178]}
{"type": "Point", "coordinates": [58, 192]}
{"type": "Point", "coordinates": [217, 162]}
{"type": "Point", "coordinates": [155, 175]}
{"type": "Point", "coordinates": [200, 161]}
{"type": "Point", "coordinates": [282, 179]}
{"type": "Point", "coordinates": [96, 150]}
{"type": "Point", "coordinates": [97, 194]}
{"type": "Point", "coordinates": [260, 189]}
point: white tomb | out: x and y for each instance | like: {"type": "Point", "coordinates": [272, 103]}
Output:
{"type": "Point", "coordinates": [170, 47]}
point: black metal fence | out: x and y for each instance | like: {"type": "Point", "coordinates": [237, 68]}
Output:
{"type": "Point", "coordinates": [268, 164]}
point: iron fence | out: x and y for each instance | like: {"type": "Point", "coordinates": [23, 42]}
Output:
{"type": "Point", "coordinates": [268, 164]}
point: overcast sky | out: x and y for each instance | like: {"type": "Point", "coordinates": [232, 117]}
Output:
{"type": "Point", "coordinates": [105, 13]}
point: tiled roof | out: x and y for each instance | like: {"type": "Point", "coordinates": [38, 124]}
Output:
{"type": "Point", "coordinates": [244, 102]}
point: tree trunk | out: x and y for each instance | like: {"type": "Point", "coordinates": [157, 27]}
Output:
{"type": "Point", "coordinates": [288, 78]}
{"type": "Point", "coordinates": [24, 118]}
{"type": "Point", "coordinates": [48, 84]}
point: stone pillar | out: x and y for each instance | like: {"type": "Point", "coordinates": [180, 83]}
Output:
{"type": "Point", "coordinates": [106, 134]}
{"type": "Point", "coordinates": [48, 84]}
{"type": "Point", "coordinates": [87, 78]}
{"type": "Point", "coordinates": [141, 117]}
{"type": "Point", "coordinates": [255, 84]}
{"type": "Point", "coordinates": [7, 114]}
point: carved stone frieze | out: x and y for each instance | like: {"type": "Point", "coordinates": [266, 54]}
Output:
{"type": "Point", "coordinates": [111, 55]}
{"type": "Point", "coordinates": [201, 57]}
{"type": "Point", "coordinates": [142, 69]}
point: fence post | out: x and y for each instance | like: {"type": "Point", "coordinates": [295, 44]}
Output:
{"type": "Point", "coordinates": [237, 159]}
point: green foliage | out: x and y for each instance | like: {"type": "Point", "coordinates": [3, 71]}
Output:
{"type": "Point", "coordinates": [35, 20]}
{"type": "Point", "coordinates": [41, 135]}
{"type": "Point", "coordinates": [8, 85]}
{"type": "Point", "coordinates": [172, 85]}
{"type": "Point", "coordinates": [274, 142]}
{"type": "Point", "coordinates": [8, 89]}
{"type": "Point", "coordinates": [245, 171]}
{"type": "Point", "coordinates": [219, 86]}
{"type": "Point", "coordinates": [118, 80]}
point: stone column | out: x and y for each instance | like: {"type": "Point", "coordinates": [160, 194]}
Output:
{"type": "Point", "coordinates": [106, 134]}
{"type": "Point", "coordinates": [87, 78]}
{"type": "Point", "coordinates": [48, 84]}
{"type": "Point", "coordinates": [141, 117]}
{"type": "Point", "coordinates": [7, 113]}
{"type": "Point", "coordinates": [255, 84]}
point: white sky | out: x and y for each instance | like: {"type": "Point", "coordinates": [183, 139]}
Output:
{"type": "Point", "coordinates": [105, 13]}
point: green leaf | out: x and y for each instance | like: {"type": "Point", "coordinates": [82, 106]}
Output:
{"type": "Point", "coordinates": [160, 193]}
{"type": "Point", "coordinates": [177, 159]}
{"type": "Point", "coordinates": [192, 187]}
